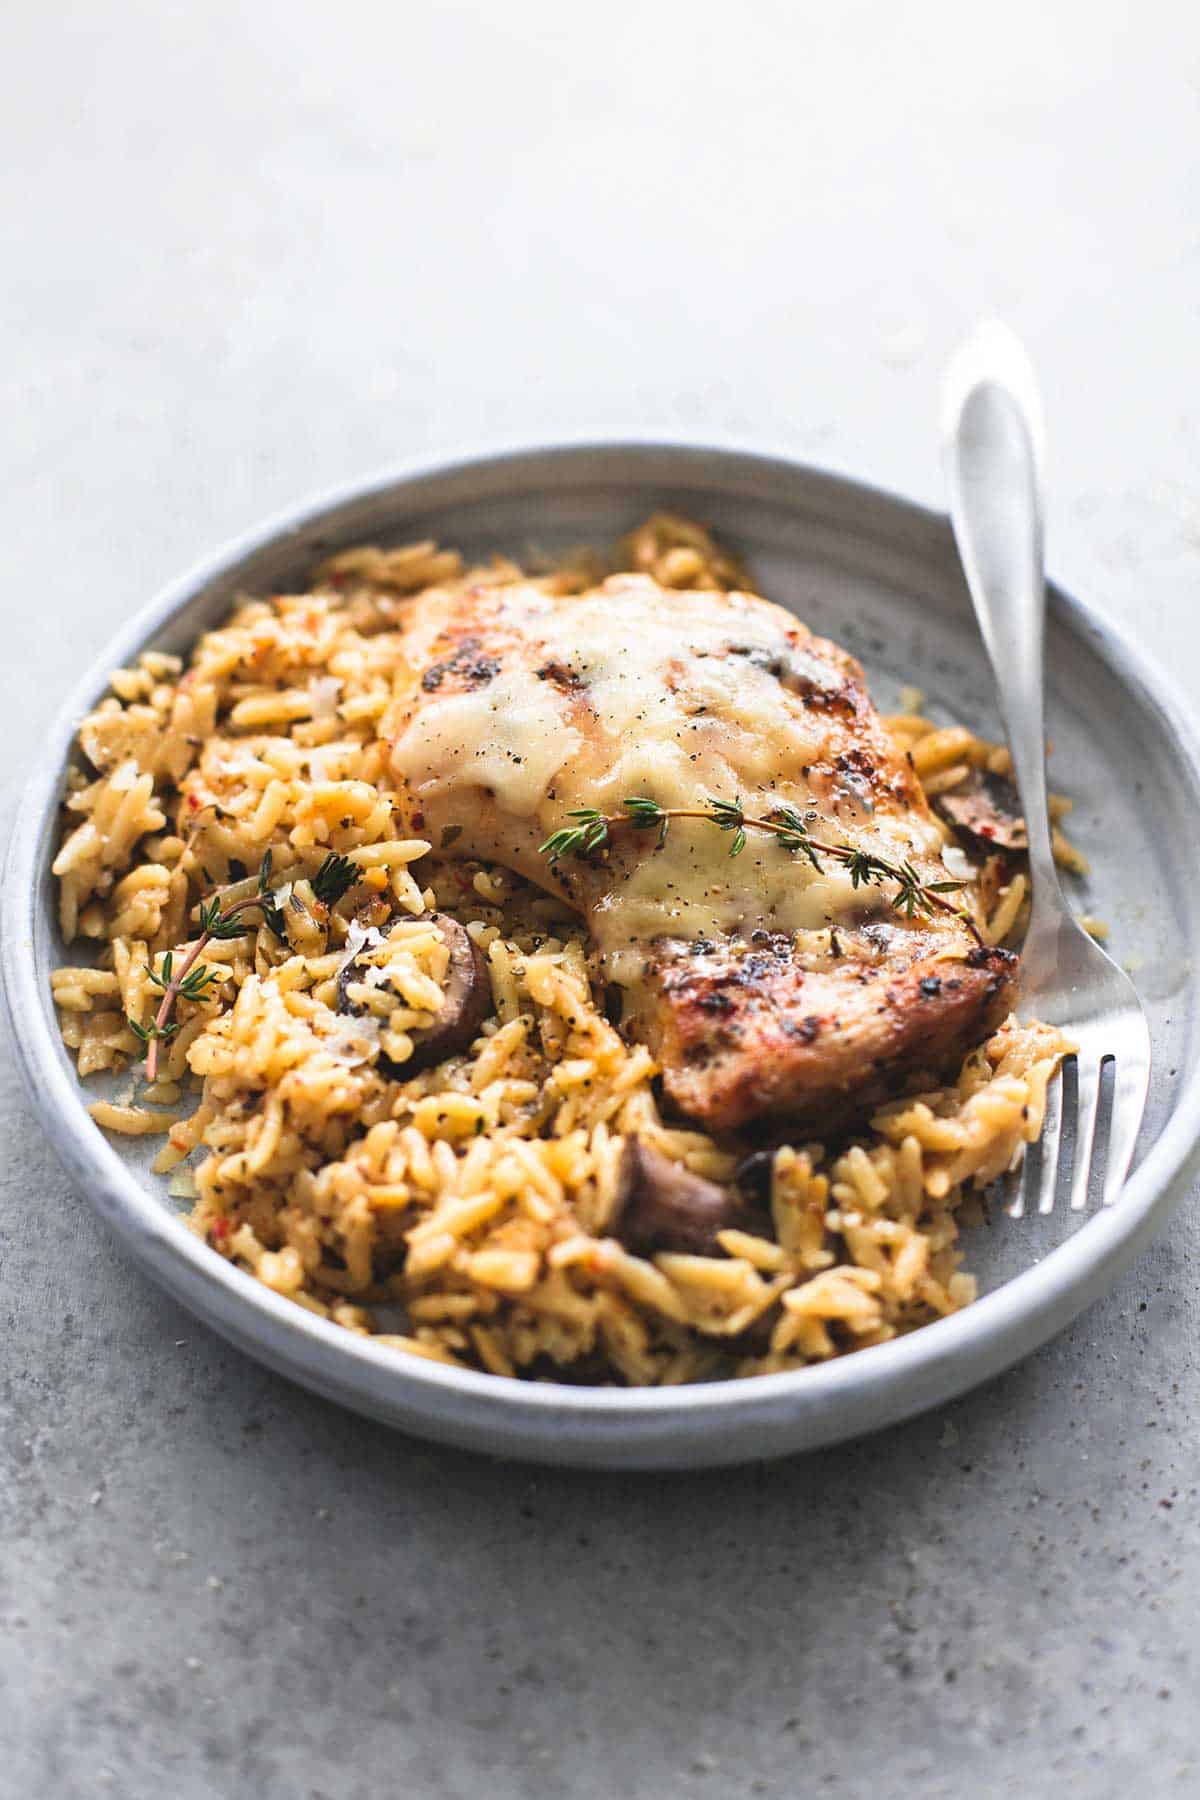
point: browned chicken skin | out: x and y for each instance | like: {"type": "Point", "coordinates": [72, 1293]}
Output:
{"type": "Point", "coordinates": [755, 1033]}
{"type": "Point", "coordinates": [766, 988]}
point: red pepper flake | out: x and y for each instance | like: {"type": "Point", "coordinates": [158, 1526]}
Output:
{"type": "Point", "coordinates": [218, 1232]}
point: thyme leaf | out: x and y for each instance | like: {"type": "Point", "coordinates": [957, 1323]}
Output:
{"type": "Point", "coordinates": [336, 875]}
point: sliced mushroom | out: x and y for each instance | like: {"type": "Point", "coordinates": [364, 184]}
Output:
{"type": "Point", "coordinates": [466, 1001]}
{"type": "Point", "coordinates": [987, 809]}
{"type": "Point", "coordinates": [663, 1206]}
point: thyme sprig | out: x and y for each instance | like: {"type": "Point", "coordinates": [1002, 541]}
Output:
{"type": "Point", "coordinates": [911, 896]}
{"type": "Point", "coordinates": [193, 979]}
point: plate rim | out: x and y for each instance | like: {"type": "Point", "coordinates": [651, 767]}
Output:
{"type": "Point", "coordinates": [606, 1427]}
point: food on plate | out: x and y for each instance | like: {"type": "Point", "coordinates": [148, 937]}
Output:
{"type": "Point", "coordinates": [566, 974]}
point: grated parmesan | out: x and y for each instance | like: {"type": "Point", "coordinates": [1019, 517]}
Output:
{"type": "Point", "coordinates": [359, 938]}
{"type": "Point", "coordinates": [352, 1041]}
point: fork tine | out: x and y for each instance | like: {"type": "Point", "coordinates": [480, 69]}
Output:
{"type": "Point", "coordinates": [1013, 1189]}
{"type": "Point", "coordinates": [1085, 1131]}
{"type": "Point", "coordinates": [1051, 1140]}
{"type": "Point", "coordinates": [1131, 1078]}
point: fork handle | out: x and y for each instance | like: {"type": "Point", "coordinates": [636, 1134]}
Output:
{"type": "Point", "coordinates": [993, 446]}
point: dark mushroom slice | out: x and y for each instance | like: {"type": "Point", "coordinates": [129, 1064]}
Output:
{"type": "Point", "coordinates": [987, 809]}
{"type": "Point", "coordinates": [663, 1206]}
{"type": "Point", "coordinates": [466, 1002]}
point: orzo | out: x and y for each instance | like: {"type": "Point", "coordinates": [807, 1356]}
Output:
{"type": "Point", "coordinates": [389, 1079]}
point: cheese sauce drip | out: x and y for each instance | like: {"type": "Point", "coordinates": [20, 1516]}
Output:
{"type": "Point", "coordinates": [633, 690]}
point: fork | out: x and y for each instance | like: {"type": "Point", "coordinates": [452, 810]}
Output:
{"type": "Point", "coordinates": [993, 447]}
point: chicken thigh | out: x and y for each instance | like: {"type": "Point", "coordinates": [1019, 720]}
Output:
{"type": "Point", "coordinates": [767, 987]}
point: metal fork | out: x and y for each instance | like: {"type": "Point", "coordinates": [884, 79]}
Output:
{"type": "Point", "coordinates": [993, 446]}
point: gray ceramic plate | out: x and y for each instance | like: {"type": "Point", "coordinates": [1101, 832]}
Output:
{"type": "Point", "coordinates": [881, 577]}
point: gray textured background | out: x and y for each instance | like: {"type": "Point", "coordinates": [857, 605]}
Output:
{"type": "Point", "coordinates": [250, 250]}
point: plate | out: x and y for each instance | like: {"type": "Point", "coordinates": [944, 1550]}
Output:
{"type": "Point", "coordinates": [881, 577]}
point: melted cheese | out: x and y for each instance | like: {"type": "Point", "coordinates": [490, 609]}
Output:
{"type": "Point", "coordinates": [629, 690]}
{"type": "Point", "coordinates": [507, 738]}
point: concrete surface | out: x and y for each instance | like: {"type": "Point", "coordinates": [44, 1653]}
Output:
{"type": "Point", "coordinates": [253, 249]}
